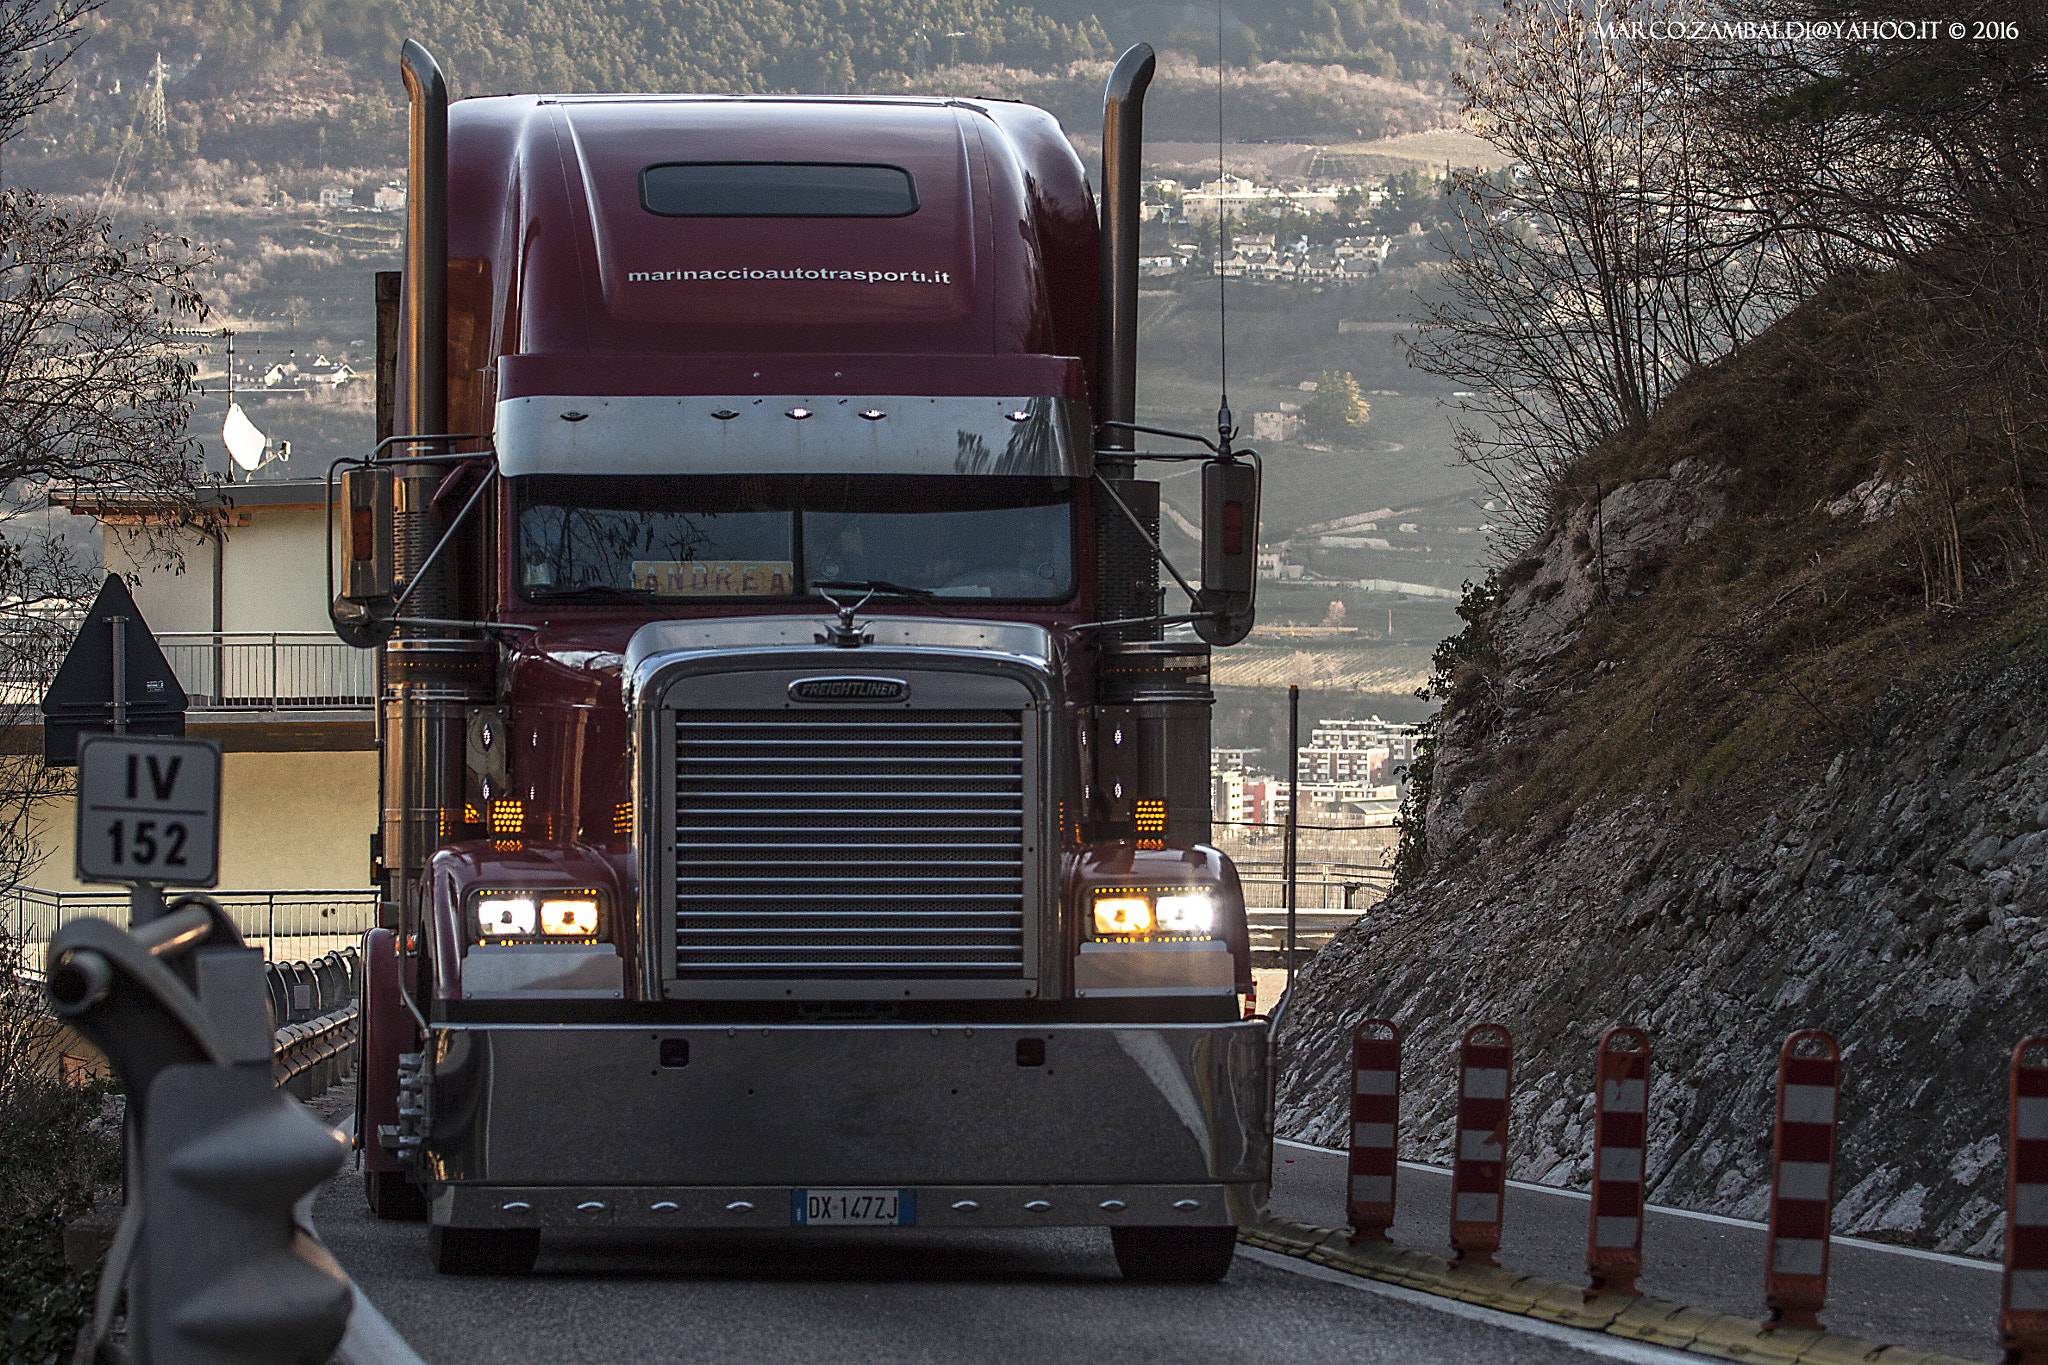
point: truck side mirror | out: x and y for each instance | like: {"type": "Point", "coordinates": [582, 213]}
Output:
{"type": "Point", "coordinates": [368, 558]}
{"type": "Point", "coordinates": [1230, 549]}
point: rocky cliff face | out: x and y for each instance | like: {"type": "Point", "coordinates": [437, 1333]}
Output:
{"type": "Point", "coordinates": [1599, 555]}
{"type": "Point", "coordinates": [1899, 901]}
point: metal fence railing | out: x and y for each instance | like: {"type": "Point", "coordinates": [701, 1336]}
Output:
{"type": "Point", "coordinates": [287, 925]}
{"type": "Point", "coordinates": [1318, 886]}
{"type": "Point", "coordinates": [276, 670]}
{"type": "Point", "coordinates": [1329, 897]}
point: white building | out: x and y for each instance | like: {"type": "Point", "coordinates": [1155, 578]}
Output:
{"type": "Point", "coordinates": [243, 623]}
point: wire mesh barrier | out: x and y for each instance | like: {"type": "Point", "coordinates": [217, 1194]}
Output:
{"type": "Point", "coordinates": [281, 670]}
{"type": "Point", "coordinates": [285, 924]}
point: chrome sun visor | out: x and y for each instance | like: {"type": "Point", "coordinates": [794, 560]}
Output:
{"type": "Point", "coordinates": [793, 434]}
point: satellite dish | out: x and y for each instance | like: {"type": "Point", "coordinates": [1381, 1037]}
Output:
{"type": "Point", "coordinates": [244, 442]}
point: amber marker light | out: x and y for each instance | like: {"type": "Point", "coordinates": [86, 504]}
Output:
{"type": "Point", "coordinates": [1123, 915]}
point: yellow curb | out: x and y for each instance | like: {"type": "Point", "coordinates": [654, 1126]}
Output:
{"type": "Point", "coordinates": [1661, 1323]}
{"type": "Point", "coordinates": [1833, 1349]}
{"type": "Point", "coordinates": [1720, 1335]}
{"type": "Point", "coordinates": [1567, 1304]}
{"type": "Point", "coordinates": [1733, 1338]}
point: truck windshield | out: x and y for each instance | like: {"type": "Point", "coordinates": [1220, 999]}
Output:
{"type": "Point", "coordinates": [606, 536]}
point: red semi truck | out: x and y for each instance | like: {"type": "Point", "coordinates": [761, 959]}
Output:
{"type": "Point", "coordinates": [794, 812]}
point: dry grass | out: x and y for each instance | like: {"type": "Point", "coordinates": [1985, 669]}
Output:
{"type": "Point", "coordinates": [1753, 656]}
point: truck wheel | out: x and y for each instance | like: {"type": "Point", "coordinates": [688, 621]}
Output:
{"type": "Point", "coordinates": [483, 1251]}
{"type": "Point", "coordinates": [1174, 1255]}
{"type": "Point", "coordinates": [393, 1198]}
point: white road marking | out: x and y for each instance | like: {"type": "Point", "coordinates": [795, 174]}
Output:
{"type": "Point", "coordinates": [1592, 1343]}
{"type": "Point", "coordinates": [1941, 1257]}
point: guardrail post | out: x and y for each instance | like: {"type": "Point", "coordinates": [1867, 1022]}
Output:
{"type": "Point", "coordinates": [1375, 1128]}
{"type": "Point", "coordinates": [1621, 1114]}
{"type": "Point", "coordinates": [1479, 1166]}
{"type": "Point", "coordinates": [1802, 1180]}
{"type": "Point", "coordinates": [2023, 1312]}
{"type": "Point", "coordinates": [214, 1269]}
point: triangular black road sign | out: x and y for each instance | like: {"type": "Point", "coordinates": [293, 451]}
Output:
{"type": "Point", "coordinates": [81, 699]}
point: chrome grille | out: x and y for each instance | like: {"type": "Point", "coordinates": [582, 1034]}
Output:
{"type": "Point", "coordinates": [849, 843]}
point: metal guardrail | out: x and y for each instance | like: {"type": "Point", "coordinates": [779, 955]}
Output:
{"type": "Point", "coordinates": [298, 923]}
{"type": "Point", "coordinates": [316, 1005]}
{"type": "Point", "coordinates": [275, 670]}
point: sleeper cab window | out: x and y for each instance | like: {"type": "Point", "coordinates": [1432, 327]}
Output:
{"type": "Point", "coordinates": [777, 189]}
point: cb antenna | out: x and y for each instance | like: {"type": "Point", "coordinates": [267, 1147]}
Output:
{"type": "Point", "coordinates": [1226, 426]}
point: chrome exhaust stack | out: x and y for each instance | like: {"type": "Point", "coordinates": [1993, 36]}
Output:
{"type": "Point", "coordinates": [432, 677]}
{"type": "Point", "coordinates": [1127, 572]}
{"type": "Point", "coordinates": [425, 357]}
{"type": "Point", "coordinates": [1123, 139]}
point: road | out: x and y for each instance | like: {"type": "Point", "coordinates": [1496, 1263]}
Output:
{"type": "Point", "coordinates": [825, 1296]}
{"type": "Point", "coordinates": [1880, 1293]}
{"type": "Point", "coordinates": [905, 1297]}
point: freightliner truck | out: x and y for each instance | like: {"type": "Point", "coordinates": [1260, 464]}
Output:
{"type": "Point", "coordinates": [794, 795]}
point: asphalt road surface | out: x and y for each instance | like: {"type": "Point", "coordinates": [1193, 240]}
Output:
{"type": "Point", "coordinates": [1895, 1295]}
{"type": "Point", "coordinates": [824, 1296]}
{"type": "Point", "coordinates": [819, 1296]}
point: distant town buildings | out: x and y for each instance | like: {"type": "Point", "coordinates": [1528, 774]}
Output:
{"type": "Point", "coordinates": [1275, 426]}
{"type": "Point", "coordinates": [1350, 770]}
{"type": "Point", "coordinates": [1256, 256]}
{"type": "Point", "coordinates": [288, 374]}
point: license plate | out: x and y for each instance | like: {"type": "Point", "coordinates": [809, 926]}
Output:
{"type": "Point", "coordinates": [852, 1208]}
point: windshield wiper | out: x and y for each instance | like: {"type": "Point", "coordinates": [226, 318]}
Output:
{"type": "Point", "coordinates": [603, 590]}
{"type": "Point", "coordinates": [875, 585]}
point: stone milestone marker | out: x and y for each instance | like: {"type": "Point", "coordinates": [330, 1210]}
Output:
{"type": "Point", "coordinates": [115, 680]}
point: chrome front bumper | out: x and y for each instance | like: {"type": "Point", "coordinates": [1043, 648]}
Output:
{"type": "Point", "coordinates": [574, 1125]}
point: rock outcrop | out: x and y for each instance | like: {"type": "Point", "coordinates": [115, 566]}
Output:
{"type": "Point", "coordinates": [1900, 901]}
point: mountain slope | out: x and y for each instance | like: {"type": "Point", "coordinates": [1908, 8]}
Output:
{"type": "Point", "coordinates": [1755, 738]}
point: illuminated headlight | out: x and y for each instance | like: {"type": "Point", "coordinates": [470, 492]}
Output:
{"type": "Point", "coordinates": [568, 918]}
{"type": "Point", "coordinates": [530, 916]}
{"type": "Point", "coordinates": [504, 917]}
{"type": "Point", "coordinates": [1123, 915]}
{"type": "Point", "coordinates": [1190, 912]}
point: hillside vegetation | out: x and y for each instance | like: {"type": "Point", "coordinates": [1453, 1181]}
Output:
{"type": "Point", "coordinates": [1751, 732]}
{"type": "Point", "coordinates": [1858, 503]}
{"type": "Point", "coordinates": [313, 83]}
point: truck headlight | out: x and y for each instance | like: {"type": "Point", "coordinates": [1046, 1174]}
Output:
{"type": "Point", "coordinates": [569, 918]}
{"type": "Point", "coordinates": [504, 916]}
{"type": "Point", "coordinates": [1186, 912]}
{"type": "Point", "coordinates": [1127, 912]}
{"type": "Point", "coordinates": [1123, 914]}
{"type": "Point", "coordinates": [520, 916]}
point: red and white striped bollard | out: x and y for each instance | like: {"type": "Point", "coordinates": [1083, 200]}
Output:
{"type": "Point", "coordinates": [1802, 1180]}
{"type": "Point", "coordinates": [1375, 1128]}
{"type": "Point", "coordinates": [1621, 1126]}
{"type": "Point", "coordinates": [2023, 1313]}
{"type": "Point", "coordinates": [1479, 1170]}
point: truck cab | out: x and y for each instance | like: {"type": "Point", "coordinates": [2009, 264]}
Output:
{"type": "Point", "coordinates": [794, 810]}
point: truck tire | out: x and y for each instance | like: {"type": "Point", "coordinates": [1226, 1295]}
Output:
{"type": "Point", "coordinates": [483, 1251]}
{"type": "Point", "coordinates": [1174, 1255]}
{"type": "Point", "coordinates": [393, 1198]}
